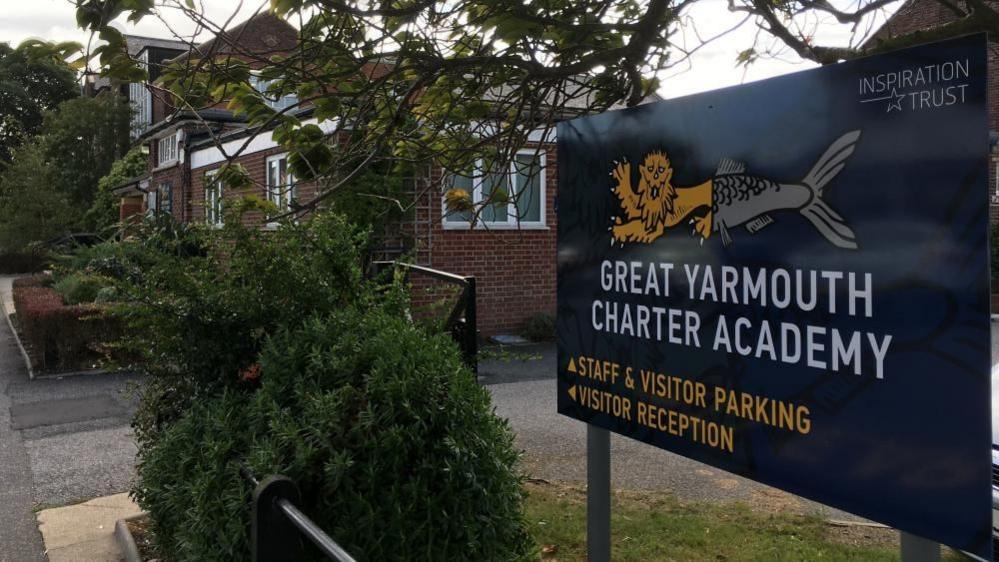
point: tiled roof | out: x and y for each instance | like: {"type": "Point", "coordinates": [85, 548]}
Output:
{"type": "Point", "coordinates": [262, 34]}
{"type": "Point", "coordinates": [136, 43]}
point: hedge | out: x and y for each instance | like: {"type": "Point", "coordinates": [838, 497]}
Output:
{"type": "Point", "coordinates": [59, 337]}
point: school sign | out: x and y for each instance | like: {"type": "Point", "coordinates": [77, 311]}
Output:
{"type": "Point", "coordinates": [788, 280]}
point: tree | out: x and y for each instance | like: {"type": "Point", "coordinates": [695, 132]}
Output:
{"type": "Point", "coordinates": [463, 81]}
{"type": "Point", "coordinates": [29, 86]}
{"type": "Point", "coordinates": [82, 139]}
{"type": "Point", "coordinates": [52, 179]}
{"type": "Point", "coordinates": [31, 209]}
{"type": "Point", "coordinates": [104, 211]}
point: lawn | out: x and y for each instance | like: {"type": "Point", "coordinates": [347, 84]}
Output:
{"type": "Point", "coordinates": [655, 526]}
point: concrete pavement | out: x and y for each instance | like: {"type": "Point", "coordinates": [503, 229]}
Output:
{"type": "Point", "coordinates": [85, 532]}
{"type": "Point", "coordinates": [61, 441]}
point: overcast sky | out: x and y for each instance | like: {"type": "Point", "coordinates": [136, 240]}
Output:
{"type": "Point", "coordinates": [713, 66]}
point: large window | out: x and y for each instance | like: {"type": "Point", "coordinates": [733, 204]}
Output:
{"type": "Point", "coordinates": [167, 149]}
{"type": "Point", "coordinates": [142, 107]}
{"type": "Point", "coordinates": [213, 199]}
{"type": "Point", "coordinates": [272, 100]}
{"type": "Point", "coordinates": [506, 198]}
{"type": "Point", "coordinates": [280, 182]}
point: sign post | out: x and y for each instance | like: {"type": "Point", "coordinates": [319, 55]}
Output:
{"type": "Point", "coordinates": [917, 549]}
{"type": "Point", "coordinates": [598, 494]}
{"type": "Point", "coordinates": [789, 280]}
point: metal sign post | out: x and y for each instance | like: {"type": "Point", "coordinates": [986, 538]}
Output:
{"type": "Point", "coordinates": [598, 495]}
{"type": "Point", "coordinates": [918, 549]}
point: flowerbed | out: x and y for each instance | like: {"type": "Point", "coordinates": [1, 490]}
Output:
{"type": "Point", "coordinates": [58, 337]}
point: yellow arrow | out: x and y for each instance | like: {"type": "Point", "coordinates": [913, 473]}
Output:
{"type": "Point", "coordinates": [572, 392]}
{"type": "Point", "coordinates": [572, 366]}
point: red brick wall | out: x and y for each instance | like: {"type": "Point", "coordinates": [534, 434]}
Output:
{"type": "Point", "coordinates": [514, 269]}
{"type": "Point", "coordinates": [256, 167]}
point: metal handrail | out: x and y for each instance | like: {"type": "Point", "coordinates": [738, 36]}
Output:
{"type": "Point", "coordinates": [462, 320]}
{"type": "Point", "coordinates": [323, 542]}
{"type": "Point", "coordinates": [278, 524]}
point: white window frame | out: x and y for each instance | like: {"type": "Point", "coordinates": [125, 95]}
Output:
{"type": "Point", "coordinates": [261, 86]}
{"type": "Point", "coordinates": [213, 199]}
{"type": "Point", "coordinates": [995, 187]}
{"type": "Point", "coordinates": [172, 151]}
{"type": "Point", "coordinates": [513, 221]}
{"type": "Point", "coordinates": [282, 199]}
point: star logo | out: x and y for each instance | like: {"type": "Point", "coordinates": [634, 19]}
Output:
{"type": "Point", "coordinates": [895, 101]}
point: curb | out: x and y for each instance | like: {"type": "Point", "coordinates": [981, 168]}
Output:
{"type": "Point", "coordinates": [20, 346]}
{"type": "Point", "coordinates": [123, 536]}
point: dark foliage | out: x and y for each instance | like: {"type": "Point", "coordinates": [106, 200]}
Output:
{"type": "Point", "coordinates": [394, 446]}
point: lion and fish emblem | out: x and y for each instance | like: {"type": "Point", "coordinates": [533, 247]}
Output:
{"type": "Point", "coordinates": [730, 198]}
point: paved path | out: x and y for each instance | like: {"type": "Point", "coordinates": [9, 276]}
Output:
{"type": "Point", "coordinates": [61, 441]}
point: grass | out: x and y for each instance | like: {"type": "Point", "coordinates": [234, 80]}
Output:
{"type": "Point", "coordinates": [655, 526]}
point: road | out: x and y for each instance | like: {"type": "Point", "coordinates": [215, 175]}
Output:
{"type": "Point", "coordinates": [61, 441]}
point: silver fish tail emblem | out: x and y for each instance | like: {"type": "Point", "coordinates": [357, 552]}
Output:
{"type": "Point", "coordinates": [742, 199]}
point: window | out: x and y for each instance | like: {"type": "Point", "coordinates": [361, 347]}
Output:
{"type": "Point", "coordinates": [503, 198]}
{"type": "Point", "coordinates": [141, 100]}
{"type": "Point", "coordinates": [213, 199]}
{"type": "Point", "coordinates": [996, 187]}
{"type": "Point", "coordinates": [167, 149]}
{"type": "Point", "coordinates": [164, 198]}
{"type": "Point", "coordinates": [273, 101]}
{"type": "Point", "coordinates": [280, 182]}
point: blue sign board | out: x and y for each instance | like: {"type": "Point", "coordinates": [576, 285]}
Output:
{"type": "Point", "coordinates": [789, 280]}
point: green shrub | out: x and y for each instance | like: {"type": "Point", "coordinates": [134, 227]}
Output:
{"type": "Point", "coordinates": [78, 288]}
{"type": "Point", "coordinates": [106, 295]}
{"type": "Point", "coordinates": [540, 327]}
{"type": "Point", "coordinates": [394, 446]}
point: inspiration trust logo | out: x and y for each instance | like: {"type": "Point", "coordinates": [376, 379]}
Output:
{"type": "Point", "coordinates": [917, 88]}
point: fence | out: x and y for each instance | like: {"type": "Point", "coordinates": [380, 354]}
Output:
{"type": "Point", "coordinates": [278, 525]}
{"type": "Point", "coordinates": [461, 320]}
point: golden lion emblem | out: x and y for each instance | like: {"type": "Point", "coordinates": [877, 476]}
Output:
{"type": "Point", "coordinates": [655, 204]}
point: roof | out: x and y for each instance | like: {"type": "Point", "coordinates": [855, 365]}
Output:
{"type": "Point", "coordinates": [136, 43]}
{"type": "Point", "coordinates": [263, 34]}
{"type": "Point", "coordinates": [914, 16]}
{"type": "Point", "coordinates": [211, 116]}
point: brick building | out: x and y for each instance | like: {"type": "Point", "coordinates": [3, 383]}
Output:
{"type": "Point", "coordinates": [922, 15]}
{"type": "Point", "coordinates": [510, 251]}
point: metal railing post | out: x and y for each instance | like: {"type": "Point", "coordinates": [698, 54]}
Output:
{"type": "Point", "coordinates": [274, 537]}
{"type": "Point", "coordinates": [918, 549]}
{"type": "Point", "coordinates": [598, 494]}
{"type": "Point", "coordinates": [471, 343]}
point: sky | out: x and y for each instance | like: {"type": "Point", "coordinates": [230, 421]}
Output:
{"type": "Point", "coordinates": [710, 67]}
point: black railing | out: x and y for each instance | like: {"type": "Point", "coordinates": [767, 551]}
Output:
{"type": "Point", "coordinates": [461, 320]}
{"type": "Point", "coordinates": [278, 525]}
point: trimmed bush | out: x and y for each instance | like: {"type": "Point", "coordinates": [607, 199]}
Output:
{"type": "Point", "coordinates": [540, 327]}
{"type": "Point", "coordinates": [59, 337]}
{"type": "Point", "coordinates": [395, 448]}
